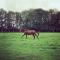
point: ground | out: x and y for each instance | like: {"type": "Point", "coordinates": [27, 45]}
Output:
{"type": "Point", "coordinates": [13, 47]}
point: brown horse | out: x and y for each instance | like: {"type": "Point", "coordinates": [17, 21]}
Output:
{"type": "Point", "coordinates": [30, 32]}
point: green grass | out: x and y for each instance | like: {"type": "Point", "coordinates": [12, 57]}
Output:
{"type": "Point", "coordinates": [13, 47]}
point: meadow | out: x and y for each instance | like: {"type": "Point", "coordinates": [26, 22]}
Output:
{"type": "Point", "coordinates": [13, 47]}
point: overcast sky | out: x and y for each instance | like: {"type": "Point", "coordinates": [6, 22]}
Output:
{"type": "Point", "coordinates": [20, 5]}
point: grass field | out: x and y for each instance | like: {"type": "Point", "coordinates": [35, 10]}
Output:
{"type": "Point", "coordinates": [13, 47]}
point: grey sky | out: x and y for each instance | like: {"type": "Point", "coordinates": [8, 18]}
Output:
{"type": "Point", "coordinates": [20, 5]}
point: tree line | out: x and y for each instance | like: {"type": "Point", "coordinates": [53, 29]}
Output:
{"type": "Point", "coordinates": [37, 19]}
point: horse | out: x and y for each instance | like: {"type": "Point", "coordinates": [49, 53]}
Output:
{"type": "Point", "coordinates": [30, 32]}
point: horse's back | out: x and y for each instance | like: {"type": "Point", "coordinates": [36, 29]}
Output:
{"type": "Point", "coordinates": [30, 32]}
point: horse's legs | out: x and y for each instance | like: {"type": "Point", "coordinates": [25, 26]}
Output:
{"type": "Point", "coordinates": [38, 33]}
{"type": "Point", "coordinates": [26, 36]}
{"type": "Point", "coordinates": [22, 35]}
{"type": "Point", "coordinates": [36, 36]}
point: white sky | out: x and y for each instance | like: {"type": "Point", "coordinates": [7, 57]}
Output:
{"type": "Point", "coordinates": [20, 5]}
